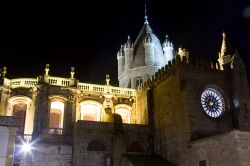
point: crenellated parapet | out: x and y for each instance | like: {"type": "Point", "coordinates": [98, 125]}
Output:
{"type": "Point", "coordinates": [181, 62]}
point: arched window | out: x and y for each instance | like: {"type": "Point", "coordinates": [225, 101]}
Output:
{"type": "Point", "coordinates": [90, 111]}
{"type": "Point", "coordinates": [125, 113]}
{"type": "Point", "coordinates": [56, 114]}
{"type": "Point", "coordinates": [96, 145]}
{"type": "Point", "coordinates": [23, 110]}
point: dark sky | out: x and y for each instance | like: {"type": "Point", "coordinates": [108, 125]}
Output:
{"type": "Point", "coordinates": [88, 35]}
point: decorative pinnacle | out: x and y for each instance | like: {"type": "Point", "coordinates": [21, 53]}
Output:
{"type": "Point", "coordinates": [128, 43]}
{"type": "Point", "coordinates": [47, 69]}
{"type": "Point", "coordinates": [129, 40]}
{"type": "Point", "coordinates": [223, 45]}
{"type": "Point", "coordinates": [223, 34]}
{"type": "Point", "coordinates": [107, 79]}
{"type": "Point", "coordinates": [72, 72]}
{"type": "Point", "coordinates": [145, 15]}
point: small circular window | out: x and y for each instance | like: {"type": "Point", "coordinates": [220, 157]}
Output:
{"type": "Point", "coordinates": [212, 102]}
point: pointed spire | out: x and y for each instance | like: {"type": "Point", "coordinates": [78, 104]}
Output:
{"type": "Point", "coordinates": [225, 53]}
{"type": "Point", "coordinates": [145, 15]}
{"type": "Point", "coordinates": [223, 45]}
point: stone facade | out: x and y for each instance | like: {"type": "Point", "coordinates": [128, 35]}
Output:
{"type": "Point", "coordinates": [184, 112]}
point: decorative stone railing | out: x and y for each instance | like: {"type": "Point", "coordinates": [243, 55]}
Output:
{"type": "Point", "coordinates": [21, 82]}
{"type": "Point", "coordinates": [59, 81]}
{"type": "Point", "coordinates": [67, 82]}
{"type": "Point", "coordinates": [106, 89]}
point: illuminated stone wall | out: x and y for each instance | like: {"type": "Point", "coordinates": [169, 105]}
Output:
{"type": "Point", "coordinates": [110, 140]}
{"type": "Point", "coordinates": [228, 149]}
{"type": "Point", "coordinates": [170, 120]}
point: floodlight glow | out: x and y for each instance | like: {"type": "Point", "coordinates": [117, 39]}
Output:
{"type": "Point", "coordinates": [26, 147]}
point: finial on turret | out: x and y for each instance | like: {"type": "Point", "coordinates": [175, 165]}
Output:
{"type": "Point", "coordinates": [129, 39]}
{"type": "Point", "coordinates": [121, 50]}
{"type": "Point", "coordinates": [47, 69]}
{"type": "Point", "coordinates": [167, 42]}
{"type": "Point", "coordinates": [107, 79]}
{"type": "Point", "coordinates": [145, 15]}
{"type": "Point", "coordinates": [72, 72]}
{"type": "Point", "coordinates": [128, 44]}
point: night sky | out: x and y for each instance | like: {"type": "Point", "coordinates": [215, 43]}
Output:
{"type": "Point", "coordinates": [88, 36]}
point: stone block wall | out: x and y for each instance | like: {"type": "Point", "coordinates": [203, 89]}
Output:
{"type": "Point", "coordinates": [171, 127]}
{"type": "Point", "coordinates": [103, 143]}
{"type": "Point", "coordinates": [228, 149]}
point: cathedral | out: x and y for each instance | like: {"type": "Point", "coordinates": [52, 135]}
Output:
{"type": "Point", "coordinates": [169, 109]}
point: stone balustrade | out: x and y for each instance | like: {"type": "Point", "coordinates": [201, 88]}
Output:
{"type": "Point", "coordinates": [67, 82]}
{"type": "Point", "coordinates": [106, 89]}
{"type": "Point", "coordinates": [59, 81]}
{"type": "Point", "coordinates": [21, 82]}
